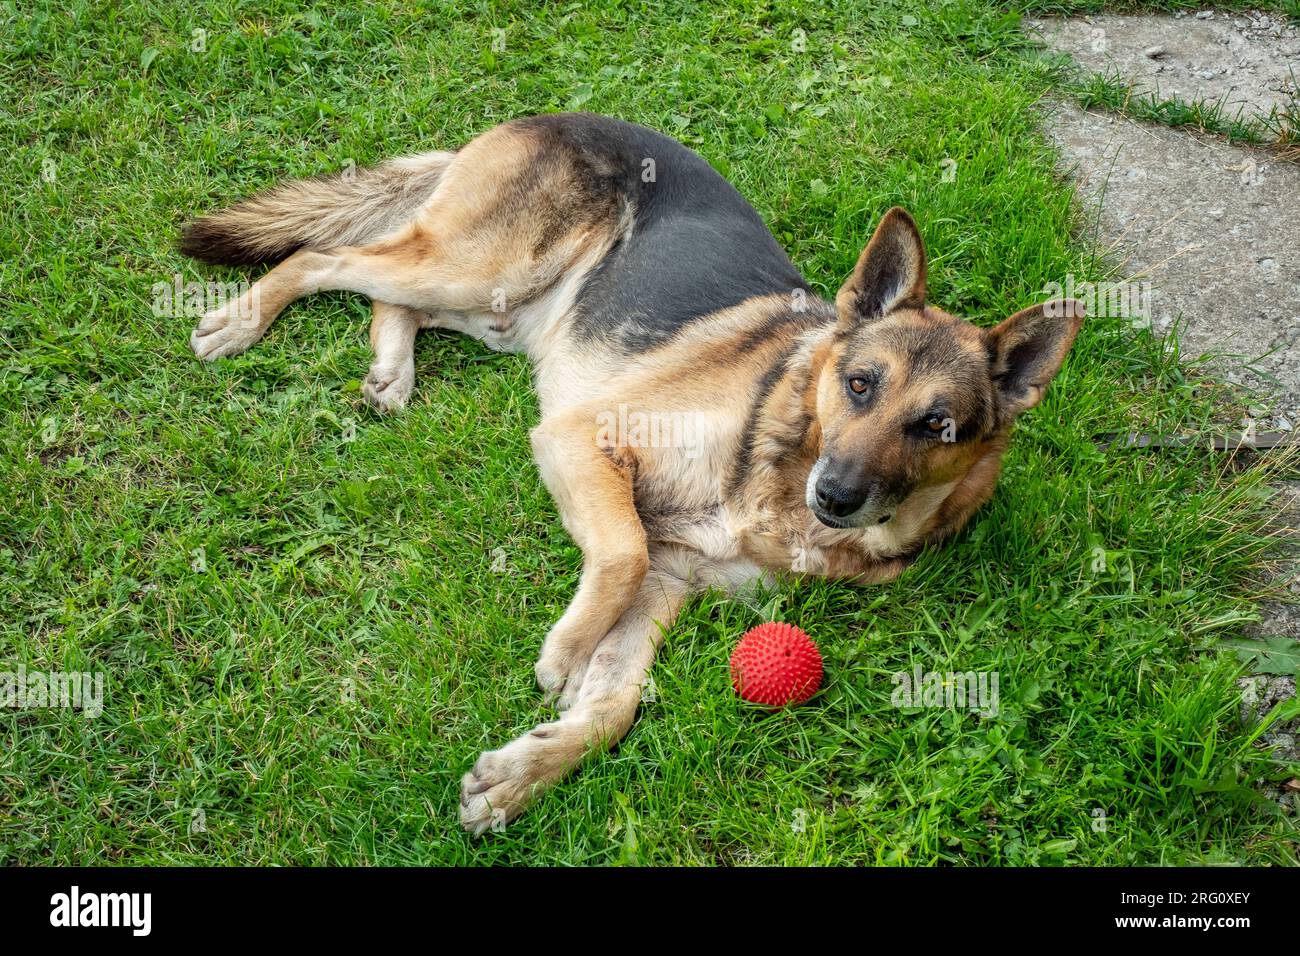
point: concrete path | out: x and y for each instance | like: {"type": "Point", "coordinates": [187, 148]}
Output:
{"type": "Point", "coordinates": [1214, 228]}
{"type": "Point", "coordinates": [1250, 62]}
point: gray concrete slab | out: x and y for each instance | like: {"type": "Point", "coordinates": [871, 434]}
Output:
{"type": "Point", "coordinates": [1216, 230]}
{"type": "Point", "coordinates": [1248, 61]}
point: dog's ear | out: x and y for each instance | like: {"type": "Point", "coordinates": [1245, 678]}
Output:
{"type": "Point", "coordinates": [1026, 352]}
{"type": "Point", "coordinates": [890, 273]}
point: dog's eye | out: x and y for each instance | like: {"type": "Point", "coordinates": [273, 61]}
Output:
{"type": "Point", "coordinates": [935, 424]}
{"type": "Point", "coordinates": [859, 385]}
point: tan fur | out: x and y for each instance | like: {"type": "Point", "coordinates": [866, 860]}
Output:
{"type": "Point", "coordinates": [347, 208]}
{"type": "Point", "coordinates": [499, 246]}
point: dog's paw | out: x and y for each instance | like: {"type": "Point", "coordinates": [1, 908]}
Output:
{"type": "Point", "coordinates": [501, 783]}
{"type": "Point", "coordinates": [559, 671]}
{"type": "Point", "coordinates": [226, 331]}
{"type": "Point", "coordinates": [387, 390]}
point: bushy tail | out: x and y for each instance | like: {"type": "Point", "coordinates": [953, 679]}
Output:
{"type": "Point", "coordinates": [343, 209]}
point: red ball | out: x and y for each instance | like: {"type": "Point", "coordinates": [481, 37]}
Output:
{"type": "Point", "coordinates": [776, 664]}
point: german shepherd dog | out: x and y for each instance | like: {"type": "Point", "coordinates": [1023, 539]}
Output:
{"type": "Point", "coordinates": [835, 439]}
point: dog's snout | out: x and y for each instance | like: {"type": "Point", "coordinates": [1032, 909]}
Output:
{"type": "Point", "coordinates": [836, 498]}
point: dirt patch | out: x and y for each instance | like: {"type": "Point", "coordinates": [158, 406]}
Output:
{"type": "Point", "coordinates": [1259, 695]}
{"type": "Point", "coordinates": [1250, 62]}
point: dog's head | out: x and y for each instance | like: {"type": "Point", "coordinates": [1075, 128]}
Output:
{"type": "Point", "coordinates": [909, 397]}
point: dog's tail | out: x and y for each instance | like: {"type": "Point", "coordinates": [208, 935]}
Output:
{"type": "Point", "coordinates": [342, 209]}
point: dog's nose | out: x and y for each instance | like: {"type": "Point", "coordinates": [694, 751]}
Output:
{"type": "Point", "coordinates": [836, 499]}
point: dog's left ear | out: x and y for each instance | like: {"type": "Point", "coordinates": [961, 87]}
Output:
{"type": "Point", "coordinates": [1026, 352]}
{"type": "Point", "coordinates": [890, 273]}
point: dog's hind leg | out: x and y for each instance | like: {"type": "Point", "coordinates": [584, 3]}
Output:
{"type": "Point", "coordinates": [325, 213]}
{"type": "Point", "coordinates": [414, 269]}
{"type": "Point", "coordinates": [240, 324]}
{"type": "Point", "coordinates": [472, 241]}
{"type": "Point", "coordinates": [504, 781]}
{"type": "Point", "coordinates": [392, 371]}
{"type": "Point", "coordinates": [432, 268]}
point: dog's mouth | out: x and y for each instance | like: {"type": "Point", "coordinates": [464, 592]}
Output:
{"type": "Point", "coordinates": [829, 520]}
{"type": "Point", "coordinates": [841, 524]}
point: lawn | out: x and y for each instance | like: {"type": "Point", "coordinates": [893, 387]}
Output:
{"type": "Point", "coordinates": [311, 619]}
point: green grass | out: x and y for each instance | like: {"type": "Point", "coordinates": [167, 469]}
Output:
{"type": "Point", "coordinates": [1279, 130]}
{"type": "Point", "coordinates": [1291, 8]}
{"type": "Point", "coordinates": [347, 649]}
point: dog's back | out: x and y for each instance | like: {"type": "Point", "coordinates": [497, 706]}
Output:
{"type": "Point", "coordinates": [695, 246]}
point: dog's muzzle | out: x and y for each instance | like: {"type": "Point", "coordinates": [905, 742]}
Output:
{"type": "Point", "coordinates": [840, 502]}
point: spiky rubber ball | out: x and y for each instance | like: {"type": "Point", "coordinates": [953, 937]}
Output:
{"type": "Point", "coordinates": [776, 664]}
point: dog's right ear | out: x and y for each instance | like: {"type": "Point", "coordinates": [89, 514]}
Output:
{"type": "Point", "coordinates": [890, 273]}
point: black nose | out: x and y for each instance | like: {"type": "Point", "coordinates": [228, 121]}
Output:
{"type": "Point", "coordinates": [837, 499]}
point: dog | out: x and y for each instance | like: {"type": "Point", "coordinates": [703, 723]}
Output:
{"type": "Point", "coordinates": [706, 420]}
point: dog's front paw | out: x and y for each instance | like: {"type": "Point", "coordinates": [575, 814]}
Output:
{"type": "Point", "coordinates": [559, 671]}
{"type": "Point", "coordinates": [226, 331]}
{"type": "Point", "coordinates": [498, 788]}
{"type": "Point", "coordinates": [388, 390]}
{"type": "Point", "coordinates": [503, 782]}
{"type": "Point", "coordinates": [489, 795]}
